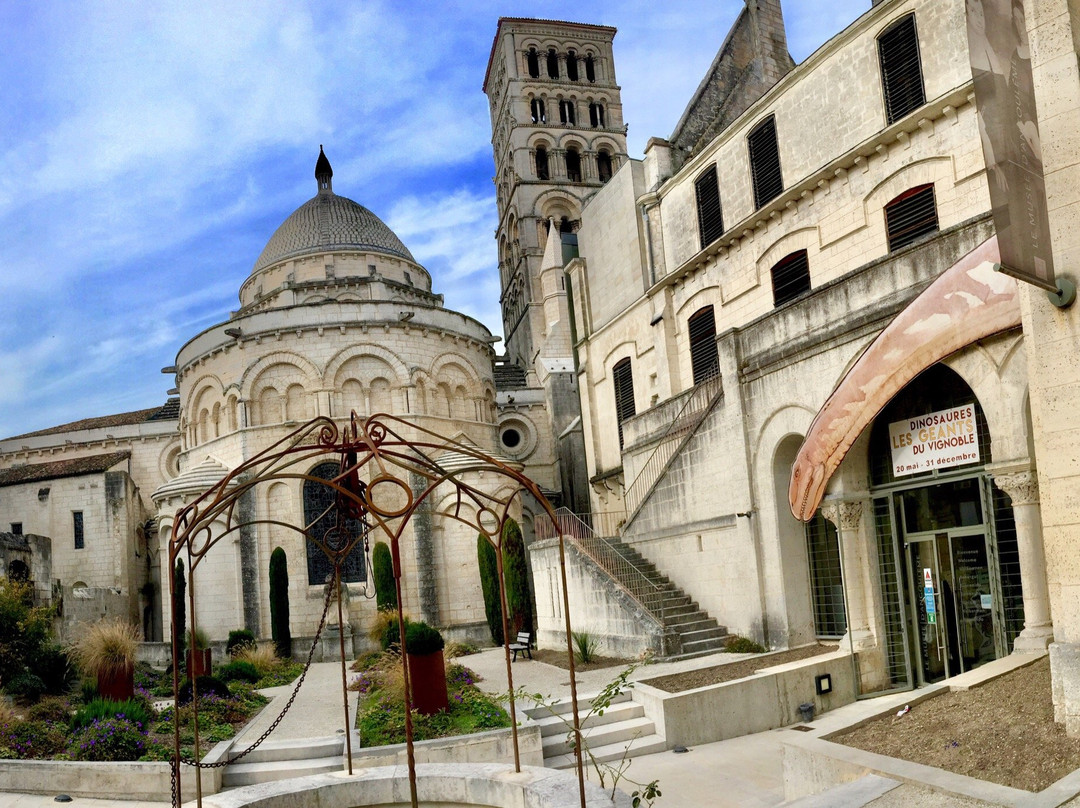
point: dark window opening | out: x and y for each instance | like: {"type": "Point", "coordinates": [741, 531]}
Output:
{"type": "Point", "coordinates": [596, 115]}
{"type": "Point", "coordinates": [826, 580]}
{"type": "Point", "coordinates": [18, 571]}
{"type": "Point", "coordinates": [623, 377]}
{"type": "Point", "coordinates": [16, 528]}
{"type": "Point", "coordinates": [710, 215]}
{"type": "Point", "coordinates": [603, 166]}
{"type": "Point", "coordinates": [77, 528]}
{"type": "Point", "coordinates": [565, 225]}
{"type": "Point", "coordinates": [511, 438]}
{"type": "Point", "coordinates": [552, 64]}
{"type": "Point", "coordinates": [321, 519]}
{"type": "Point", "coordinates": [573, 165]}
{"type": "Point", "coordinates": [567, 113]}
{"type": "Point", "coordinates": [911, 216]}
{"type": "Point", "coordinates": [533, 62]}
{"type": "Point", "coordinates": [542, 163]}
{"type": "Point", "coordinates": [590, 68]}
{"type": "Point", "coordinates": [704, 360]}
{"type": "Point", "coordinates": [790, 278]}
{"type": "Point", "coordinates": [571, 66]}
{"type": "Point", "coordinates": [901, 72]}
{"type": "Point", "coordinates": [539, 114]}
{"type": "Point", "coordinates": [765, 162]}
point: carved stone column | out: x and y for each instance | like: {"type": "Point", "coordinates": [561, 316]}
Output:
{"type": "Point", "coordinates": [847, 517]}
{"type": "Point", "coordinates": [1023, 489]}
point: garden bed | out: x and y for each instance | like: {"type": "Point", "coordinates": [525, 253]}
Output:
{"type": "Point", "coordinates": [730, 671]}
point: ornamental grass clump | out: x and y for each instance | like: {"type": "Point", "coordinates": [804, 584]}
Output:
{"type": "Point", "coordinates": [261, 657]}
{"type": "Point", "coordinates": [106, 649]}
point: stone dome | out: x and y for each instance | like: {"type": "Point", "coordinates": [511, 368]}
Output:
{"type": "Point", "coordinates": [330, 222]}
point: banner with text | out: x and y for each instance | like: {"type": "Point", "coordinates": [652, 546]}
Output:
{"type": "Point", "coordinates": [934, 441]}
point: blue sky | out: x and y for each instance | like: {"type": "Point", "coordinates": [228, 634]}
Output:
{"type": "Point", "coordinates": [149, 150]}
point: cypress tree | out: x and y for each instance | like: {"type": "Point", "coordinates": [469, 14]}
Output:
{"type": "Point", "coordinates": [180, 607]}
{"type": "Point", "coordinates": [489, 583]}
{"type": "Point", "coordinates": [516, 570]}
{"type": "Point", "coordinates": [279, 604]}
{"type": "Point", "coordinates": [382, 569]}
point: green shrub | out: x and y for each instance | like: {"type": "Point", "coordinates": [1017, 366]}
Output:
{"type": "Point", "coordinates": [422, 639]}
{"type": "Point", "coordinates": [138, 710]}
{"type": "Point", "coordinates": [516, 572]}
{"type": "Point", "coordinates": [53, 709]}
{"type": "Point", "coordinates": [489, 584]}
{"type": "Point", "coordinates": [208, 685]}
{"type": "Point", "coordinates": [238, 640]}
{"type": "Point", "coordinates": [113, 739]}
{"type": "Point", "coordinates": [279, 604]}
{"type": "Point", "coordinates": [25, 637]}
{"type": "Point", "coordinates": [586, 647]}
{"type": "Point", "coordinates": [238, 670]}
{"type": "Point", "coordinates": [382, 570]}
{"type": "Point", "coordinates": [391, 636]}
{"type": "Point", "coordinates": [25, 687]}
{"type": "Point", "coordinates": [29, 740]}
{"type": "Point", "coordinates": [744, 645]}
{"type": "Point", "coordinates": [52, 665]}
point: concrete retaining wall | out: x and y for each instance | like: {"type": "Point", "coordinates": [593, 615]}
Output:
{"type": "Point", "coordinates": [495, 746]}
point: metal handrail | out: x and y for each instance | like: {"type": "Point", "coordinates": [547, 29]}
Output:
{"type": "Point", "coordinates": [648, 594]}
{"type": "Point", "coordinates": [682, 426]}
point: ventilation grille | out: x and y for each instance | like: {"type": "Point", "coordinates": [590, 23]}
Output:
{"type": "Point", "coordinates": [710, 216]}
{"type": "Point", "coordinates": [901, 73]}
{"type": "Point", "coordinates": [911, 216]}
{"type": "Point", "coordinates": [703, 357]}
{"type": "Point", "coordinates": [765, 163]}
{"type": "Point", "coordinates": [623, 378]}
{"type": "Point", "coordinates": [790, 278]}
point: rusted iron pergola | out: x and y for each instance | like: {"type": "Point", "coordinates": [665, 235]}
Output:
{"type": "Point", "coordinates": [373, 449]}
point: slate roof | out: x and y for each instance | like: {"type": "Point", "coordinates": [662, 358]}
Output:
{"type": "Point", "coordinates": [73, 467]}
{"type": "Point", "coordinates": [169, 410]}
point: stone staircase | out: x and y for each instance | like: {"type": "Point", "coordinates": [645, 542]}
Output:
{"type": "Point", "coordinates": [623, 725]}
{"type": "Point", "coordinates": [699, 634]}
{"type": "Point", "coordinates": [279, 760]}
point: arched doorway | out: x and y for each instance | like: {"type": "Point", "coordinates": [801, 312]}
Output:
{"type": "Point", "coordinates": [947, 553]}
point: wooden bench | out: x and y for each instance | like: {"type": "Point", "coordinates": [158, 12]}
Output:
{"type": "Point", "coordinates": [522, 646]}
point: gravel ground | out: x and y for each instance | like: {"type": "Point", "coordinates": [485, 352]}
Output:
{"type": "Point", "coordinates": [688, 680]}
{"type": "Point", "coordinates": [1003, 732]}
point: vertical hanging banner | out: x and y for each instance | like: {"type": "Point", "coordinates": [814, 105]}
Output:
{"type": "Point", "coordinates": [1009, 126]}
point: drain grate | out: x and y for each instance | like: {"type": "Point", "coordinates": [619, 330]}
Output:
{"type": "Point", "coordinates": [802, 728]}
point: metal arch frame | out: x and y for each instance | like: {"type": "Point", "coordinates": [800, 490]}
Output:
{"type": "Point", "coordinates": [376, 444]}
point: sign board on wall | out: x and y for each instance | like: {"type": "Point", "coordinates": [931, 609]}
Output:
{"type": "Point", "coordinates": [934, 441]}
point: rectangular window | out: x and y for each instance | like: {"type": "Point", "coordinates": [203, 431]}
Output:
{"type": "Point", "coordinates": [623, 377]}
{"type": "Point", "coordinates": [16, 528]}
{"type": "Point", "coordinates": [704, 361]}
{"type": "Point", "coordinates": [790, 277]}
{"type": "Point", "coordinates": [901, 71]}
{"type": "Point", "coordinates": [911, 216]}
{"type": "Point", "coordinates": [710, 216]}
{"type": "Point", "coordinates": [77, 526]}
{"type": "Point", "coordinates": [765, 162]}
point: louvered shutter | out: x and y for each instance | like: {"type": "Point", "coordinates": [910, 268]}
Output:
{"type": "Point", "coordinates": [623, 378]}
{"type": "Point", "coordinates": [765, 163]}
{"type": "Point", "coordinates": [901, 71]}
{"type": "Point", "coordinates": [704, 360]}
{"type": "Point", "coordinates": [790, 277]}
{"type": "Point", "coordinates": [911, 216]}
{"type": "Point", "coordinates": [710, 216]}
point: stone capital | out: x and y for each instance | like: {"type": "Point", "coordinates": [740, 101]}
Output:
{"type": "Point", "coordinates": [850, 515]}
{"type": "Point", "coordinates": [1021, 486]}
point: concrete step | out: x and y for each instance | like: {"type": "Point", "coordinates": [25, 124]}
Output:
{"type": "Point", "coordinates": [855, 794]}
{"type": "Point", "coordinates": [247, 774]}
{"type": "Point", "coordinates": [622, 732]}
{"type": "Point", "coordinates": [691, 621]}
{"type": "Point", "coordinates": [566, 707]}
{"type": "Point", "coordinates": [556, 725]}
{"type": "Point", "coordinates": [273, 751]}
{"type": "Point", "coordinates": [644, 745]}
{"type": "Point", "coordinates": [692, 637]}
{"type": "Point", "coordinates": [701, 647]}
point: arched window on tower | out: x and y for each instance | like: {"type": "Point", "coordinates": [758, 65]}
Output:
{"type": "Point", "coordinates": [590, 68]}
{"type": "Point", "coordinates": [552, 64]}
{"type": "Point", "coordinates": [532, 62]}
{"type": "Point", "coordinates": [321, 519]}
{"type": "Point", "coordinates": [573, 165]}
{"type": "Point", "coordinates": [539, 114]}
{"type": "Point", "coordinates": [542, 172]}
{"type": "Point", "coordinates": [571, 66]}
{"type": "Point", "coordinates": [596, 115]}
{"type": "Point", "coordinates": [567, 113]}
{"type": "Point", "coordinates": [603, 165]}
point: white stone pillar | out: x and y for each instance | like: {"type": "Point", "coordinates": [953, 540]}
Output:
{"type": "Point", "coordinates": [847, 517]}
{"type": "Point", "coordinates": [1023, 489]}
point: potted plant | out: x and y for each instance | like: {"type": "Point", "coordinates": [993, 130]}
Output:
{"type": "Point", "coordinates": [106, 651]}
{"type": "Point", "coordinates": [427, 672]}
{"type": "Point", "coordinates": [197, 661]}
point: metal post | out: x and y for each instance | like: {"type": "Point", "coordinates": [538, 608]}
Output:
{"type": "Point", "coordinates": [506, 650]}
{"type": "Point", "coordinates": [344, 681]}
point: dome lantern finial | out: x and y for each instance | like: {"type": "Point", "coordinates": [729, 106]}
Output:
{"type": "Point", "coordinates": [323, 173]}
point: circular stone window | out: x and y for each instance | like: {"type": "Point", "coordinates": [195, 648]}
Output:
{"type": "Point", "coordinates": [511, 438]}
